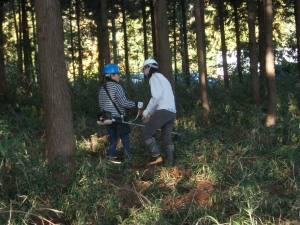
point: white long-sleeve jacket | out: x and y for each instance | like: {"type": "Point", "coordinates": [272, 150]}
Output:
{"type": "Point", "coordinates": [162, 95]}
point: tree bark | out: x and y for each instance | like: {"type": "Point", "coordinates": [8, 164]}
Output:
{"type": "Point", "coordinates": [19, 41]}
{"type": "Point", "coordinates": [237, 38]}
{"type": "Point", "coordinates": [297, 20]}
{"type": "Point", "coordinates": [252, 50]}
{"type": "Point", "coordinates": [174, 40]}
{"type": "Point", "coordinates": [146, 54]}
{"type": "Point", "coordinates": [60, 139]}
{"type": "Point", "coordinates": [78, 17]}
{"type": "Point", "coordinates": [34, 72]}
{"type": "Point", "coordinates": [151, 4]}
{"type": "Point", "coordinates": [162, 40]}
{"type": "Point", "coordinates": [114, 40]}
{"type": "Point", "coordinates": [102, 38]}
{"type": "Point", "coordinates": [186, 67]}
{"type": "Point", "coordinates": [262, 45]}
{"type": "Point", "coordinates": [126, 49]}
{"type": "Point", "coordinates": [201, 52]}
{"type": "Point", "coordinates": [3, 84]}
{"type": "Point", "coordinates": [72, 43]}
{"type": "Point", "coordinates": [270, 66]}
{"type": "Point", "coordinates": [105, 33]}
{"type": "Point", "coordinates": [223, 43]}
{"type": "Point", "coordinates": [26, 47]}
{"type": "Point", "coordinates": [20, 45]}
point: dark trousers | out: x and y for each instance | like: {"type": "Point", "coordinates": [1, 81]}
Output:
{"type": "Point", "coordinates": [161, 119]}
{"type": "Point", "coordinates": [113, 140]}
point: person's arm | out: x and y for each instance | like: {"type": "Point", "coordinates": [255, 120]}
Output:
{"type": "Point", "coordinates": [156, 93]}
{"type": "Point", "coordinates": [121, 98]}
{"type": "Point", "coordinates": [100, 97]}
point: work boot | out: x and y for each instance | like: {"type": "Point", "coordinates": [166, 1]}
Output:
{"type": "Point", "coordinates": [152, 146]}
{"type": "Point", "coordinates": [155, 160]}
{"type": "Point", "coordinates": [170, 159]}
{"type": "Point", "coordinates": [155, 153]}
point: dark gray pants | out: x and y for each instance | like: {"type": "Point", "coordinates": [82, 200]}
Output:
{"type": "Point", "coordinates": [161, 119]}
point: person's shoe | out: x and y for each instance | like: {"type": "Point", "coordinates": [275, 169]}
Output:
{"type": "Point", "coordinates": [113, 160]}
{"type": "Point", "coordinates": [155, 160]}
{"type": "Point", "coordinates": [170, 159]}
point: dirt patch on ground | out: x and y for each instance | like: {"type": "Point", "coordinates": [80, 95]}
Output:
{"type": "Point", "coordinates": [133, 185]}
{"type": "Point", "coordinates": [134, 192]}
{"type": "Point", "coordinates": [199, 194]}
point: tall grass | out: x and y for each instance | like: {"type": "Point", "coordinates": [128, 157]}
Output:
{"type": "Point", "coordinates": [230, 168]}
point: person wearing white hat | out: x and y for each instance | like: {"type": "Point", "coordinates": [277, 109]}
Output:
{"type": "Point", "coordinates": [160, 113]}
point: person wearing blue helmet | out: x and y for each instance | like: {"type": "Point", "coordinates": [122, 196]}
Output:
{"type": "Point", "coordinates": [112, 99]}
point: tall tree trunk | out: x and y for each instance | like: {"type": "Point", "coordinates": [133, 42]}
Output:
{"type": "Point", "coordinates": [297, 19]}
{"type": "Point", "coordinates": [262, 45]}
{"type": "Point", "coordinates": [78, 16]}
{"type": "Point", "coordinates": [223, 43]}
{"type": "Point", "coordinates": [60, 138]}
{"type": "Point", "coordinates": [17, 24]}
{"type": "Point", "coordinates": [162, 40]}
{"type": "Point", "coordinates": [103, 39]}
{"type": "Point", "coordinates": [201, 49]}
{"type": "Point", "coordinates": [125, 41]}
{"type": "Point", "coordinates": [154, 44]}
{"type": "Point", "coordinates": [237, 38]}
{"type": "Point", "coordinates": [99, 43]}
{"type": "Point", "coordinates": [72, 43]}
{"type": "Point", "coordinates": [3, 84]}
{"type": "Point", "coordinates": [270, 66]}
{"type": "Point", "coordinates": [105, 33]}
{"type": "Point", "coordinates": [114, 40]}
{"type": "Point", "coordinates": [26, 46]}
{"type": "Point", "coordinates": [114, 31]}
{"type": "Point", "coordinates": [181, 47]}
{"type": "Point", "coordinates": [253, 56]}
{"type": "Point", "coordinates": [146, 52]}
{"type": "Point", "coordinates": [35, 75]}
{"type": "Point", "coordinates": [185, 46]}
{"type": "Point", "coordinates": [175, 41]}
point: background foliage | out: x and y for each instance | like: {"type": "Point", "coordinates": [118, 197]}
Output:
{"type": "Point", "coordinates": [230, 168]}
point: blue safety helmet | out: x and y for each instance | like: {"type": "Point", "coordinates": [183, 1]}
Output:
{"type": "Point", "coordinates": [111, 69]}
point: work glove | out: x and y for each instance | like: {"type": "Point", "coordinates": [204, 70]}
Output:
{"type": "Point", "coordinates": [139, 105]}
{"type": "Point", "coordinates": [146, 116]}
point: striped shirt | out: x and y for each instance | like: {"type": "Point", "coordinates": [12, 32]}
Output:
{"type": "Point", "coordinates": [117, 94]}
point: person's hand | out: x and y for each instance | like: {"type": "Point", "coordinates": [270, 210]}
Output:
{"type": "Point", "coordinates": [140, 105]}
{"type": "Point", "coordinates": [146, 119]}
{"type": "Point", "coordinates": [146, 116]}
{"type": "Point", "coordinates": [145, 113]}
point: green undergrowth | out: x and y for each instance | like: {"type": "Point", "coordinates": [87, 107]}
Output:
{"type": "Point", "coordinates": [230, 168]}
